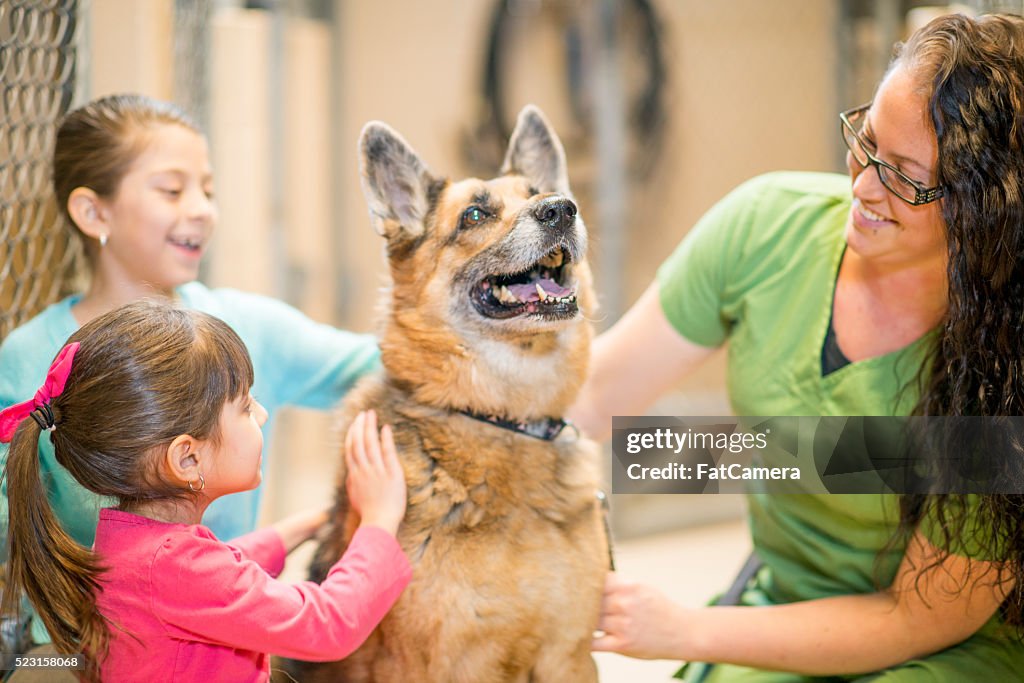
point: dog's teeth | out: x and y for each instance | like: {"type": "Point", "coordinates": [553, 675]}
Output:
{"type": "Point", "coordinates": [541, 292]}
{"type": "Point", "coordinates": [506, 297]}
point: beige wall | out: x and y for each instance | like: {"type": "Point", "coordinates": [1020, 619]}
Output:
{"type": "Point", "coordinates": [242, 250]}
{"type": "Point", "coordinates": [130, 47]}
{"type": "Point", "coordinates": [751, 89]}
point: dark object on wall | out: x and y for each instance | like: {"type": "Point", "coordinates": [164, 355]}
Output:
{"type": "Point", "coordinates": [640, 40]}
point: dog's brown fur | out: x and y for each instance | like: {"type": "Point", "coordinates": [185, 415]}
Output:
{"type": "Point", "coordinates": [503, 529]}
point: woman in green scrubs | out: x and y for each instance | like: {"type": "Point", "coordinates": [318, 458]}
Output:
{"type": "Point", "coordinates": [898, 290]}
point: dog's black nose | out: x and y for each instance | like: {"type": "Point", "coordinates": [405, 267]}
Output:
{"type": "Point", "coordinates": [557, 213]}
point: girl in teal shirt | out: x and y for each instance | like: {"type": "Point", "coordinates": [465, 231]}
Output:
{"type": "Point", "coordinates": [133, 179]}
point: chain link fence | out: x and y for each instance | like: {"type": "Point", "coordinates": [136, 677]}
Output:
{"type": "Point", "coordinates": [37, 73]}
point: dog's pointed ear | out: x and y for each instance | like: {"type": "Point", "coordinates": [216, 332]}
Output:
{"type": "Point", "coordinates": [395, 181]}
{"type": "Point", "coordinates": [535, 152]}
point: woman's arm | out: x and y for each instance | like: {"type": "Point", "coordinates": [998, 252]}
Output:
{"type": "Point", "coordinates": [923, 612]}
{"type": "Point", "coordinates": [640, 358]}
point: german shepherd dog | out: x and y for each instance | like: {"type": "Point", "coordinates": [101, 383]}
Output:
{"type": "Point", "coordinates": [484, 346]}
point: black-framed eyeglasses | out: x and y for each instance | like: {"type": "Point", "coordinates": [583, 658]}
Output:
{"type": "Point", "coordinates": [907, 189]}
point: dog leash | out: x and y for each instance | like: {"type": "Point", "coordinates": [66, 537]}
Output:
{"type": "Point", "coordinates": [605, 512]}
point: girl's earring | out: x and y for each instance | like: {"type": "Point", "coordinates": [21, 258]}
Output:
{"type": "Point", "coordinates": [103, 240]}
{"type": "Point", "coordinates": [202, 484]}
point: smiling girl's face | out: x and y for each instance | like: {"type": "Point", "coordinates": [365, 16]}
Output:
{"type": "Point", "coordinates": [162, 215]}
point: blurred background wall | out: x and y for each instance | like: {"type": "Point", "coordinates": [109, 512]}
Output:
{"type": "Point", "coordinates": [663, 106]}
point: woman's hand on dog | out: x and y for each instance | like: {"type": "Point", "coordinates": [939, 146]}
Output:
{"type": "Point", "coordinates": [639, 621]}
{"type": "Point", "coordinates": [376, 482]}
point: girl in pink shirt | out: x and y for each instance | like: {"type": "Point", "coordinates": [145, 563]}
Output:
{"type": "Point", "coordinates": [149, 404]}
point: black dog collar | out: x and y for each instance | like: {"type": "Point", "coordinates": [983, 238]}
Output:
{"type": "Point", "coordinates": [547, 429]}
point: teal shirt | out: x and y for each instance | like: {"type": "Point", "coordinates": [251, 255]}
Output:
{"type": "Point", "coordinates": [759, 271]}
{"type": "Point", "coordinates": [296, 361]}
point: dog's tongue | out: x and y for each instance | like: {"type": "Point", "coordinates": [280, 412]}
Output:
{"type": "Point", "coordinates": [529, 291]}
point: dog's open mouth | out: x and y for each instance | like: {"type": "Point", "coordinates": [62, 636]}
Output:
{"type": "Point", "coordinates": [545, 289]}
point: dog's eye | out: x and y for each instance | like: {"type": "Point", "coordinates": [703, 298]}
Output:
{"type": "Point", "coordinates": [473, 216]}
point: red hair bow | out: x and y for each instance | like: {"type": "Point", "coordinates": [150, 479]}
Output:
{"type": "Point", "coordinates": [56, 378]}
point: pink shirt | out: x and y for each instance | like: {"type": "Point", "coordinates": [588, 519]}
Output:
{"type": "Point", "coordinates": [201, 609]}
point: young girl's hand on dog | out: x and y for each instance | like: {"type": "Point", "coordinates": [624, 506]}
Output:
{"type": "Point", "coordinates": [137, 365]}
{"type": "Point", "coordinates": [376, 482]}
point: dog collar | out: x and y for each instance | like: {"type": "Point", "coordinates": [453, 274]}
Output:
{"type": "Point", "coordinates": [547, 429]}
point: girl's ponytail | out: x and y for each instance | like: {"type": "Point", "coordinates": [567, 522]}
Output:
{"type": "Point", "coordinates": [59, 576]}
{"type": "Point", "coordinates": [135, 368]}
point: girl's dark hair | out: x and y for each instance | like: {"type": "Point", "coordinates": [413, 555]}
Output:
{"type": "Point", "coordinates": [97, 143]}
{"type": "Point", "coordinates": [143, 375]}
{"type": "Point", "coordinates": [972, 71]}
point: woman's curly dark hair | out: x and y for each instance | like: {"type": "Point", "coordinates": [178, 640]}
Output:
{"type": "Point", "coordinates": [972, 71]}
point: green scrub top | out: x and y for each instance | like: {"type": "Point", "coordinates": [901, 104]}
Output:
{"type": "Point", "coordinates": [759, 271]}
